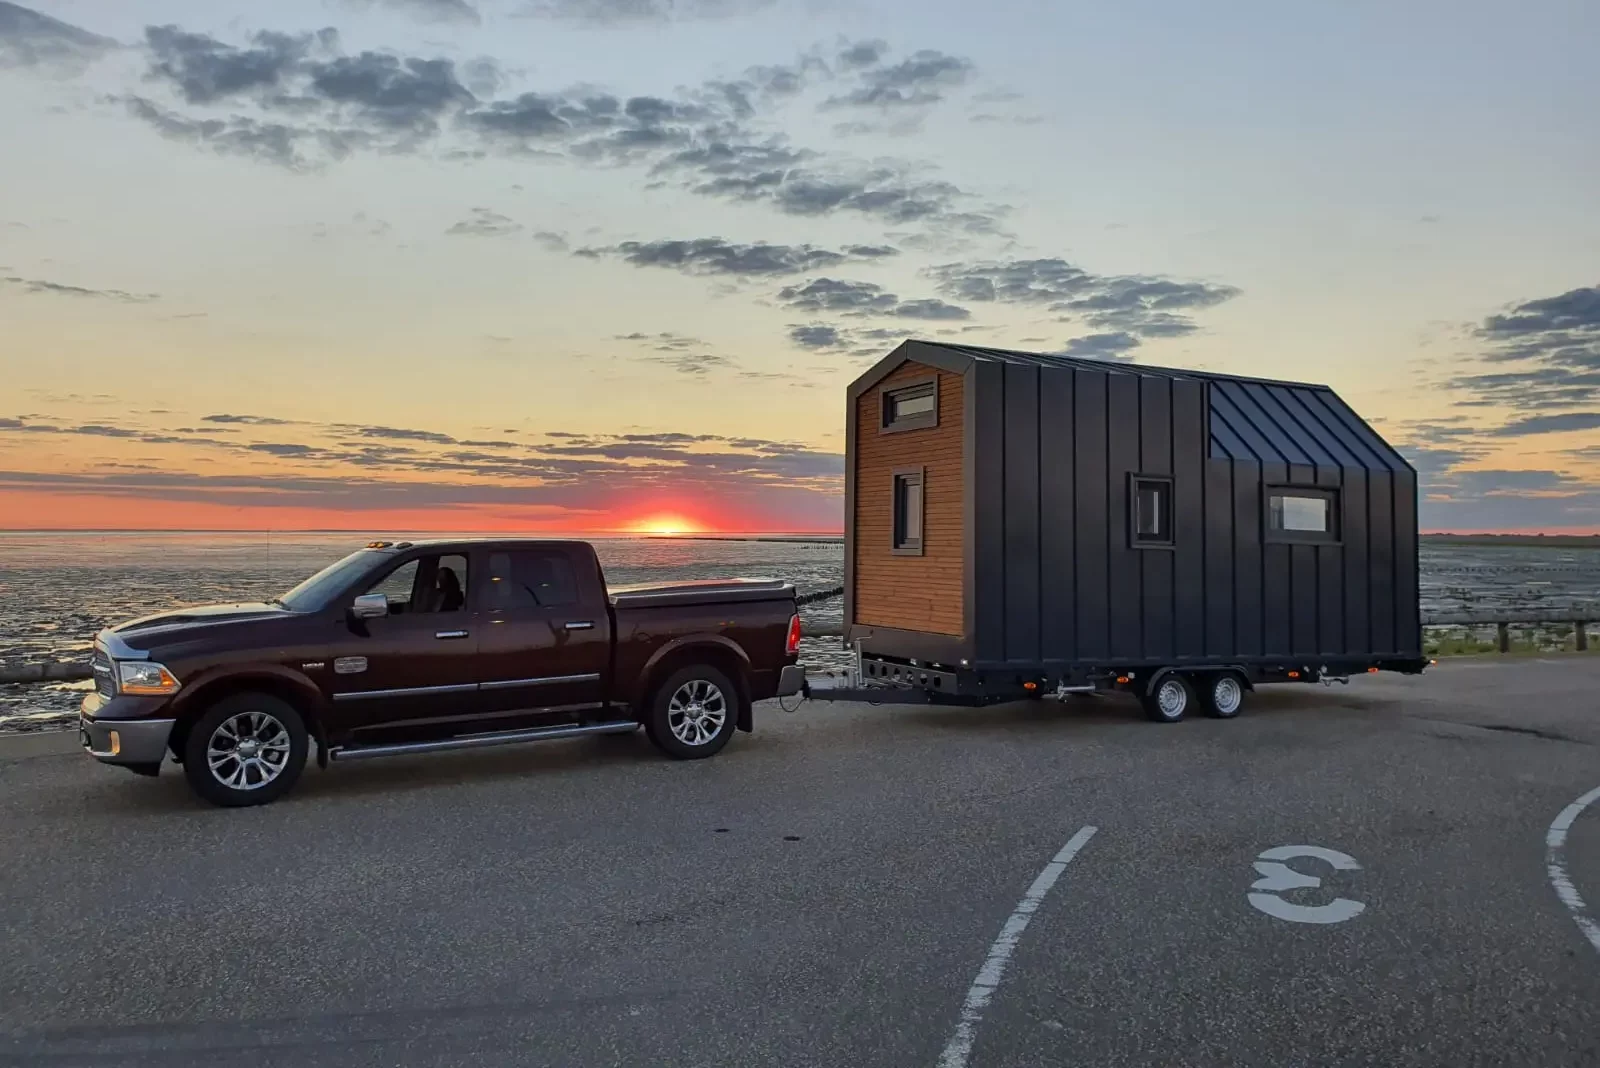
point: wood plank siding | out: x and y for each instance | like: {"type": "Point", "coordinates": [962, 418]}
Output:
{"type": "Point", "coordinates": [916, 593]}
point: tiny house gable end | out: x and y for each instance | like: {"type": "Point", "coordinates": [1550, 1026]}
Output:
{"type": "Point", "coordinates": [908, 498]}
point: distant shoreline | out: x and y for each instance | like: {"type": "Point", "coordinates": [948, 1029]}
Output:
{"type": "Point", "coordinates": [1536, 541]}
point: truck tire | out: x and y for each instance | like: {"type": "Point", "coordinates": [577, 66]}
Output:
{"type": "Point", "coordinates": [247, 749]}
{"type": "Point", "coordinates": [1224, 695]}
{"type": "Point", "coordinates": [693, 713]}
{"type": "Point", "coordinates": [1172, 697]}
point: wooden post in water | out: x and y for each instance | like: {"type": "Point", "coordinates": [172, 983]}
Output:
{"type": "Point", "coordinates": [1505, 636]}
{"type": "Point", "coordinates": [1583, 637]}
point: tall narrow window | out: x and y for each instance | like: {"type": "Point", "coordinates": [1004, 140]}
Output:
{"type": "Point", "coordinates": [1150, 501]}
{"type": "Point", "coordinates": [908, 511]}
{"type": "Point", "coordinates": [1302, 514]}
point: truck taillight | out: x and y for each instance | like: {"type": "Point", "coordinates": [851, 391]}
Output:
{"type": "Point", "coordinates": [793, 645]}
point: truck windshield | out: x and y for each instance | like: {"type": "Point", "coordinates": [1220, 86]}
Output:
{"type": "Point", "coordinates": [313, 594]}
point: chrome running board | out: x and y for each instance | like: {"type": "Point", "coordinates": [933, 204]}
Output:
{"type": "Point", "coordinates": [478, 741]}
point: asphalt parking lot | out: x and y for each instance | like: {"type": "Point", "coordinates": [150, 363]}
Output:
{"type": "Point", "coordinates": [849, 886]}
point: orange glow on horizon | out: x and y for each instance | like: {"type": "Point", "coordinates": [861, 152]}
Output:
{"type": "Point", "coordinates": [24, 509]}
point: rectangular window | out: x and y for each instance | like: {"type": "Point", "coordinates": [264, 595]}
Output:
{"type": "Point", "coordinates": [1302, 514]}
{"type": "Point", "coordinates": [531, 578]}
{"type": "Point", "coordinates": [908, 511]}
{"type": "Point", "coordinates": [911, 407]}
{"type": "Point", "coordinates": [1151, 502]}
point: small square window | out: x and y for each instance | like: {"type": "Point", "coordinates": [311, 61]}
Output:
{"type": "Point", "coordinates": [909, 510]}
{"type": "Point", "coordinates": [1150, 502]}
{"type": "Point", "coordinates": [911, 407]}
{"type": "Point", "coordinates": [1302, 514]}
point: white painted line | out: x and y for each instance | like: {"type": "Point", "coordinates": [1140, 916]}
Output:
{"type": "Point", "coordinates": [959, 1048]}
{"type": "Point", "coordinates": [1555, 858]}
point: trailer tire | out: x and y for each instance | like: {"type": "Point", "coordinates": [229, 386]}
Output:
{"type": "Point", "coordinates": [1171, 697]}
{"type": "Point", "coordinates": [693, 713]}
{"type": "Point", "coordinates": [1224, 695]}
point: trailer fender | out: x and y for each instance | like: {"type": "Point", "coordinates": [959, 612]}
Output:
{"type": "Point", "coordinates": [1195, 670]}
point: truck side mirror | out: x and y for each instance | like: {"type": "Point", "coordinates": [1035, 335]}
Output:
{"type": "Point", "coordinates": [369, 606]}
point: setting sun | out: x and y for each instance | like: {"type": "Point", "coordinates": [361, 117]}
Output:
{"type": "Point", "coordinates": [664, 524]}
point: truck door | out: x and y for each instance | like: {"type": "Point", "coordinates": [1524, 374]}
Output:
{"type": "Point", "coordinates": [545, 642]}
{"type": "Point", "coordinates": [418, 663]}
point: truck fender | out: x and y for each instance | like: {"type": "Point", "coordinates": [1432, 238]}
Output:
{"type": "Point", "coordinates": [306, 695]}
{"type": "Point", "coordinates": [686, 643]}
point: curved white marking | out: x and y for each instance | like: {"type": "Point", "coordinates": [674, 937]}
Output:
{"type": "Point", "coordinates": [1341, 861]}
{"type": "Point", "coordinates": [1555, 858]}
{"type": "Point", "coordinates": [959, 1048]}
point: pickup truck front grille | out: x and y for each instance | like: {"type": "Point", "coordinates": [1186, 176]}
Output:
{"type": "Point", "coordinates": [104, 684]}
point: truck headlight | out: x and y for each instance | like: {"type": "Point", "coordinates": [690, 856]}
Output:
{"type": "Point", "coordinates": [145, 678]}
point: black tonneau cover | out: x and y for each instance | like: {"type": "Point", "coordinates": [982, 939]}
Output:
{"type": "Point", "coordinates": [700, 591]}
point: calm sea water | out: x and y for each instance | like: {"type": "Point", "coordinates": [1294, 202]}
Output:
{"type": "Point", "coordinates": [57, 590]}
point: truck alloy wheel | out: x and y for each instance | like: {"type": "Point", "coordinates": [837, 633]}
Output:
{"type": "Point", "coordinates": [1171, 698]}
{"type": "Point", "coordinates": [246, 749]}
{"type": "Point", "coordinates": [693, 712]}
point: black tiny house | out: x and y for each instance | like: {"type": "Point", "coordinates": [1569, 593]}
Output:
{"type": "Point", "coordinates": [1020, 523]}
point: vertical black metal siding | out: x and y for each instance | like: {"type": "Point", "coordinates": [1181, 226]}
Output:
{"type": "Point", "coordinates": [989, 503]}
{"type": "Point", "coordinates": [1056, 580]}
{"type": "Point", "coordinates": [1058, 563]}
{"type": "Point", "coordinates": [1189, 487]}
{"type": "Point", "coordinates": [1248, 568]}
{"type": "Point", "coordinates": [1157, 596]}
{"type": "Point", "coordinates": [1330, 581]}
{"type": "Point", "coordinates": [1408, 633]}
{"type": "Point", "coordinates": [1380, 558]}
{"type": "Point", "coordinates": [1122, 450]}
{"type": "Point", "coordinates": [1302, 594]}
{"type": "Point", "coordinates": [1357, 585]}
{"type": "Point", "coordinates": [1276, 574]}
{"type": "Point", "coordinates": [1220, 633]}
{"type": "Point", "coordinates": [1094, 521]}
{"type": "Point", "coordinates": [1022, 540]}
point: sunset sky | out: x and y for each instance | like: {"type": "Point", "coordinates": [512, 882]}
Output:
{"type": "Point", "coordinates": [587, 265]}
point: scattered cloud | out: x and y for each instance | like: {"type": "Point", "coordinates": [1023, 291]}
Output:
{"type": "Point", "coordinates": [1546, 351]}
{"type": "Point", "coordinates": [31, 39]}
{"type": "Point", "coordinates": [248, 420]}
{"type": "Point", "coordinates": [624, 12]}
{"type": "Point", "coordinates": [1141, 306]}
{"type": "Point", "coordinates": [1112, 346]}
{"type": "Point", "coordinates": [307, 105]}
{"type": "Point", "coordinates": [688, 355]}
{"type": "Point", "coordinates": [1549, 424]}
{"type": "Point", "coordinates": [485, 223]}
{"type": "Point", "coordinates": [713, 255]}
{"type": "Point", "coordinates": [39, 286]}
{"type": "Point", "coordinates": [917, 81]}
{"type": "Point", "coordinates": [437, 11]}
{"type": "Point", "coordinates": [554, 242]}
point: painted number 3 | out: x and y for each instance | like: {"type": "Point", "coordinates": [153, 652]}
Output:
{"type": "Point", "coordinates": [1277, 876]}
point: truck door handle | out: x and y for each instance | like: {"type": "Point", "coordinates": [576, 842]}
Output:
{"type": "Point", "coordinates": [580, 624]}
{"type": "Point", "coordinates": [451, 634]}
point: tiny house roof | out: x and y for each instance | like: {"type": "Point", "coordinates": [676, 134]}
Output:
{"type": "Point", "coordinates": [1256, 419]}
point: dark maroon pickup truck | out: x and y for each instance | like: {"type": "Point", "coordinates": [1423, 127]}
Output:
{"type": "Point", "coordinates": [406, 647]}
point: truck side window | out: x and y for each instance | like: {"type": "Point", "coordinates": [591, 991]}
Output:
{"type": "Point", "coordinates": [396, 586]}
{"type": "Point", "coordinates": [426, 584]}
{"type": "Point", "coordinates": [531, 579]}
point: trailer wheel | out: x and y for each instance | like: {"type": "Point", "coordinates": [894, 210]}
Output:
{"type": "Point", "coordinates": [1224, 695]}
{"type": "Point", "coordinates": [1172, 697]}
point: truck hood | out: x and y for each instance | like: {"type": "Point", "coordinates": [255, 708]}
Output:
{"type": "Point", "coordinates": [167, 628]}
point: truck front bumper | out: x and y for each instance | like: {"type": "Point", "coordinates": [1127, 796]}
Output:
{"type": "Point", "coordinates": [124, 741]}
